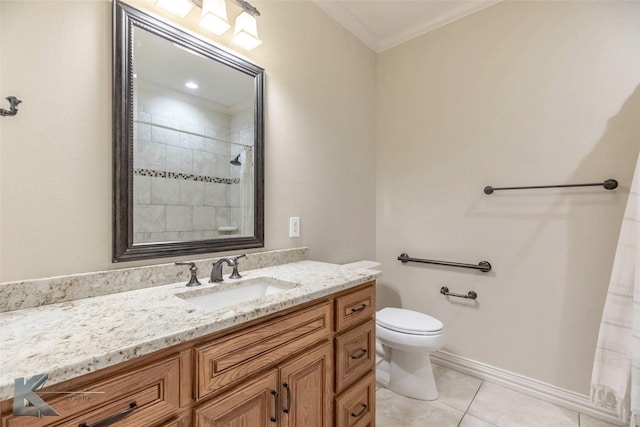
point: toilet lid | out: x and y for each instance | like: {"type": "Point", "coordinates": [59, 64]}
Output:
{"type": "Point", "coordinates": [408, 321]}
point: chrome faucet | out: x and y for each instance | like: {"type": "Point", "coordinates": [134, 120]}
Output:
{"type": "Point", "coordinates": [216, 273]}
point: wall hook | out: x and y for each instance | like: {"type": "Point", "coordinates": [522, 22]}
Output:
{"type": "Point", "coordinates": [13, 102]}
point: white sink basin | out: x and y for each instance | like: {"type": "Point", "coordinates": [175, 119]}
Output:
{"type": "Point", "coordinates": [228, 293]}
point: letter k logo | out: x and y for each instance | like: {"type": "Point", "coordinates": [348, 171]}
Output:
{"type": "Point", "coordinates": [24, 394]}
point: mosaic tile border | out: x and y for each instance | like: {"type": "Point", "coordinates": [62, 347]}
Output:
{"type": "Point", "coordinates": [184, 176]}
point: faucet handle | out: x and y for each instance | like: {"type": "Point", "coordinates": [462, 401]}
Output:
{"type": "Point", "coordinates": [193, 281]}
{"type": "Point", "coordinates": [235, 274]}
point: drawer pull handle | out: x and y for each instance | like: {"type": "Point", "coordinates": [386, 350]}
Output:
{"type": "Point", "coordinates": [287, 405]}
{"type": "Point", "coordinates": [362, 307]}
{"type": "Point", "coordinates": [360, 354]}
{"type": "Point", "coordinates": [111, 419]}
{"type": "Point", "coordinates": [361, 412]}
{"type": "Point", "coordinates": [275, 404]}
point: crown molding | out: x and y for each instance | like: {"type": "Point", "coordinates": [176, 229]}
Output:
{"type": "Point", "coordinates": [433, 24]}
{"type": "Point", "coordinates": [338, 12]}
{"type": "Point", "coordinates": [341, 14]}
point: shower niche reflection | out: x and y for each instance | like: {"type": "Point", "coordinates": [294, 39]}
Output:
{"type": "Point", "coordinates": [188, 141]}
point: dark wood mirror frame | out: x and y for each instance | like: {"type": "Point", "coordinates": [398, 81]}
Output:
{"type": "Point", "coordinates": [125, 18]}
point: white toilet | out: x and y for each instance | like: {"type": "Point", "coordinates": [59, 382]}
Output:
{"type": "Point", "coordinates": [404, 341]}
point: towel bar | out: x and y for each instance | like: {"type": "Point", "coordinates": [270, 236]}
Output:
{"type": "Point", "coordinates": [609, 184]}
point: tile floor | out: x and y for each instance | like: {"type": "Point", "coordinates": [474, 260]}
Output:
{"type": "Point", "coordinates": [470, 402]}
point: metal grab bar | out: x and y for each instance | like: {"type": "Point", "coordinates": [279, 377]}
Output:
{"type": "Point", "coordinates": [470, 295]}
{"type": "Point", "coordinates": [609, 184]}
{"type": "Point", "coordinates": [483, 266]}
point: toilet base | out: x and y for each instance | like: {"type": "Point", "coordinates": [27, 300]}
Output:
{"type": "Point", "coordinates": [382, 371]}
{"type": "Point", "coordinates": [411, 375]}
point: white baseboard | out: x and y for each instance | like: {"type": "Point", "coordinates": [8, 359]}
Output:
{"type": "Point", "coordinates": [543, 391]}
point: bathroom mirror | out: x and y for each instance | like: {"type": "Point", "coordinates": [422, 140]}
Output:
{"type": "Point", "coordinates": [188, 143]}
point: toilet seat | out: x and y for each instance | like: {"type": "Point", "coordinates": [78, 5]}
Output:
{"type": "Point", "coordinates": [408, 322]}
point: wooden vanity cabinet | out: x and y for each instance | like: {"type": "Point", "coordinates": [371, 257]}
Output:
{"type": "Point", "coordinates": [355, 349]}
{"type": "Point", "coordinates": [308, 366]}
{"type": "Point", "coordinates": [136, 397]}
{"type": "Point", "coordinates": [355, 354]}
{"type": "Point", "coordinates": [253, 404]}
{"type": "Point", "coordinates": [306, 390]}
{"type": "Point", "coordinates": [298, 393]}
{"type": "Point", "coordinates": [227, 360]}
{"type": "Point", "coordinates": [356, 406]}
{"type": "Point", "coordinates": [184, 421]}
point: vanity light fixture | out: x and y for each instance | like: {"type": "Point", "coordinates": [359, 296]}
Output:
{"type": "Point", "coordinates": [177, 7]}
{"type": "Point", "coordinates": [214, 18]}
{"type": "Point", "coordinates": [245, 33]}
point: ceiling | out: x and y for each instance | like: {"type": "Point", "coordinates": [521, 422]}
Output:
{"type": "Point", "coordinates": [383, 24]}
{"type": "Point", "coordinates": [166, 64]}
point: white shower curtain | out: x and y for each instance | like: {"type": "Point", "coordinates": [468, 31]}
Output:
{"type": "Point", "coordinates": [246, 192]}
{"type": "Point", "coordinates": [615, 380]}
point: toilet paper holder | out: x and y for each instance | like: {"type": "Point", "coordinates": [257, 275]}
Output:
{"type": "Point", "coordinates": [14, 101]}
{"type": "Point", "coordinates": [470, 295]}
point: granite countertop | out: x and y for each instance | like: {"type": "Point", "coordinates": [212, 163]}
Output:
{"type": "Point", "coordinates": [69, 339]}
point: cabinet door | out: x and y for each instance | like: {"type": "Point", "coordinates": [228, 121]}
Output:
{"type": "Point", "coordinates": [251, 405]}
{"type": "Point", "coordinates": [305, 389]}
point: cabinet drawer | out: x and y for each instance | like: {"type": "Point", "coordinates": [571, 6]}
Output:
{"type": "Point", "coordinates": [356, 407]}
{"type": "Point", "coordinates": [145, 396]}
{"type": "Point", "coordinates": [233, 357]}
{"type": "Point", "coordinates": [355, 307]}
{"type": "Point", "coordinates": [355, 354]}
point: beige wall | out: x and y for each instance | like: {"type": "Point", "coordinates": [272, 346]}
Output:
{"type": "Point", "coordinates": [522, 93]}
{"type": "Point", "coordinates": [55, 171]}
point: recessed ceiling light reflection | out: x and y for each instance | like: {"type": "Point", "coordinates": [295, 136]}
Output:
{"type": "Point", "coordinates": [191, 85]}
